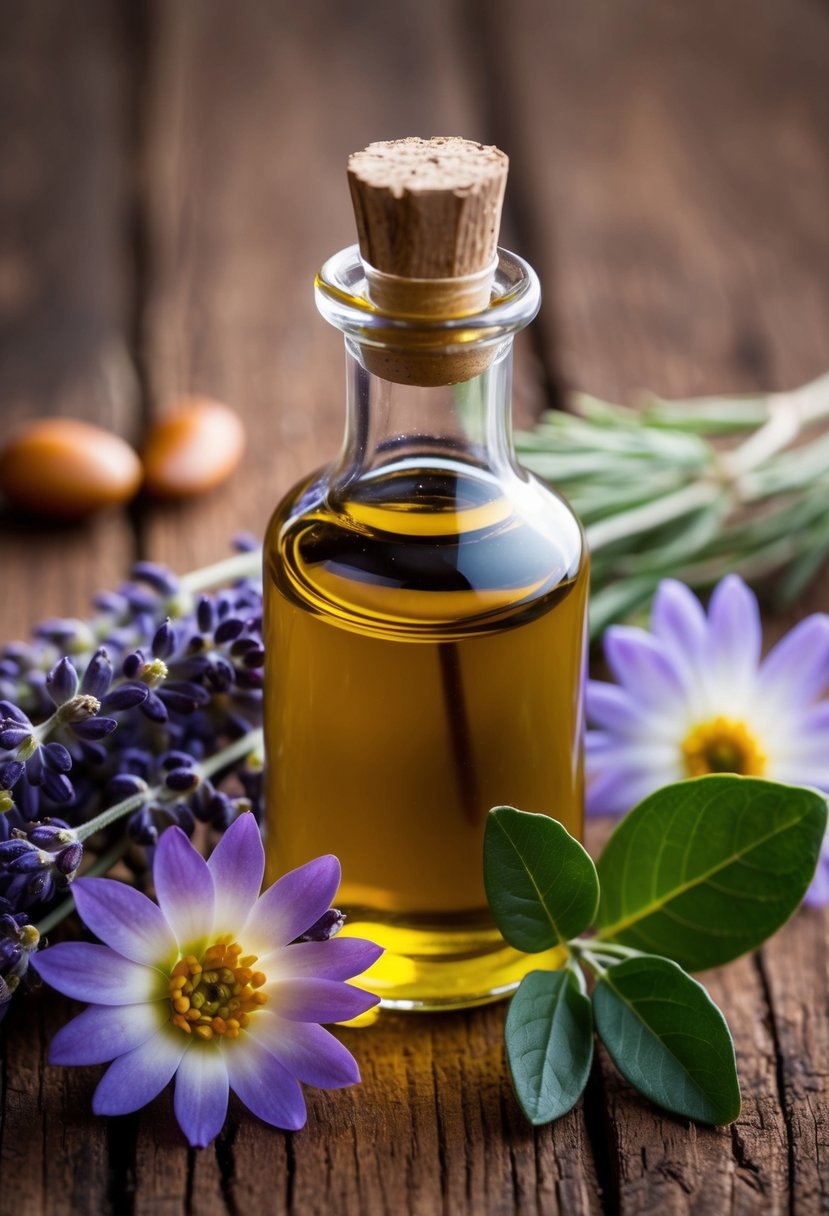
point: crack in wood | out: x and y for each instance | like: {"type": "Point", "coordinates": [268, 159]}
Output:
{"type": "Point", "coordinates": [121, 1138]}
{"type": "Point", "coordinates": [226, 1162]}
{"type": "Point", "coordinates": [779, 1072]}
{"type": "Point", "coordinates": [595, 1112]}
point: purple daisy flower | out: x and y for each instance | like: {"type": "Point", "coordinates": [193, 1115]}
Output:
{"type": "Point", "coordinates": [205, 986]}
{"type": "Point", "coordinates": [694, 696]}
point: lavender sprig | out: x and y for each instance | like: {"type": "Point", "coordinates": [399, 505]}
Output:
{"type": "Point", "coordinates": [133, 714]}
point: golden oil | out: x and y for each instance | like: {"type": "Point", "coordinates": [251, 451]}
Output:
{"type": "Point", "coordinates": [425, 633]}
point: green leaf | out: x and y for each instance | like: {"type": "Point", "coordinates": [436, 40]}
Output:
{"type": "Point", "coordinates": [540, 883]}
{"type": "Point", "coordinates": [705, 870]}
{"type": "Point", "coordinates": [549, 1038]}
{"type": "Point", "coordinates": [668, 1038]}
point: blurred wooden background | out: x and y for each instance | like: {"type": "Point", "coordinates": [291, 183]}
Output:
{"type": "Point", "coordinates": [171, 176]}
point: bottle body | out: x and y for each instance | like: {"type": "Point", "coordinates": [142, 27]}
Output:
{"type": "Point", "coordinates": [425, 624]}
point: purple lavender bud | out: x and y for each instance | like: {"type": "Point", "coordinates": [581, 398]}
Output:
{"type": "Point", "coordinates": [94, 728]}
{"type": "Point", "coordinates": [164, 642]}
{"type": "Point", "coordinates": [183, 697]}
{"type": "Point", "coordinates": [109, 601]}
{"type": "Point", "coordinates": [26, 863]}
{"type": "Point", "coordinates": [141, 828]}
{"type": "Point", "coordinates": [12, 734]}
{"type": "Point", "coordinates": [67, 862]}
{"type": "Point", "coordinates": [125, 785]}
{"type": "Point", "coordinates": [245, 542]}
{"type": "Point", "coordinates": [205, 616]}
{"type": "Point", "coordinates": [327, 926]}
{"type": "Point", "coordinates": [221, 674]}
{"type": "Point", "coordinates": [56, 757]}
{"type": "Point", "coordinates": [10, 774]}
{"type": "Point", "coordinates": [183, 818]}
{"type": "Point", "coordinates": [133, 664]}
{"type": "Point", "coordinates": [154, 709]}
{"type": "Point", "coordinates": [27, 800]}
{"type": "Point", "coordinates": [57, 787]}
{"type": "Point", "coordinates": [228, 630]}
{"type": "Point", "coordinates": [40, 887]}
{"type": "Point", "coordinates": [62, 681]}
{"type": "Point", "coordinates": [242, 646]}
{"type": "Point", "coordinates": [254, 658]}
{"type": "Point", "coordinates": [158, 577]}
{"type": "Point", "coordinates": [181, 780]}
{"type": "Point", "coordinates": [176, 759]}
{"type": "Point", "coordinates": [50, 836]}
{"type": "Point", "coordinates": [98, 675]}
{"type": "Point", "coordinates": [9, 710]}
{"type": "Point", "coordinates": [141, 601]}
{"type": "Point", "coordinates": [66, 632]}
{"type": "Point", "coordinates": [10, 850]}
{"type": "Point", "coordinates": [220, 812]}
{"type": "Point", "coordinates": [126, 696]}
{"type": "Point", "coordinates": [34, 768]}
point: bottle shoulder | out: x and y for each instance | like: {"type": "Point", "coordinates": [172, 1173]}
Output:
{"type": "Point", "coordinates": [412, 547]}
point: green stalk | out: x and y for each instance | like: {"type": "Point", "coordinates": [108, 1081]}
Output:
{"type": "Point", "coordinates": [249, 743]}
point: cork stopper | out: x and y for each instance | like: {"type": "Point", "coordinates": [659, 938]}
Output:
{"type": "Point", "coordinates": [428, 213]}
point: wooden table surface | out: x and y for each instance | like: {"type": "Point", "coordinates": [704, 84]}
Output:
{"type": "Point", "coordinates": [172, 174]}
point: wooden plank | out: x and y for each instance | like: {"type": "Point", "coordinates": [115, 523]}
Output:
{"type": "Point", "coordinates": [794, 967]}
{"type": "Point", "coordinates": [672, 166]}
{"type": "Point", "coordinates": [63, 281]}
{"type": "Point", "coordinates": [674, 183]}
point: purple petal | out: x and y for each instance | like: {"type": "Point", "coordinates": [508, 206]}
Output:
{"type": "Point", "coordinates": [796, 670]}
{"type": "Point", "coordinates": [339, 958]}
{"type": "Point", "coordinates": [735, 635]}
{"type": "Point", "coordinates": [136, 1078]}
{"type": "Point", "coordinates": [103, 1032]}
{"type": "Point", "coordinates": [616, 788]}
{"type": "Point", "coordinates": [98, 975]}
{"type": "Point", "coordinates": [315, 1000]}
{"type": "Point", "coordinates": [307, 1051]}
{"type": "Point", "coordinates": [264, 1085]}
{"type": "Point", "coordinates": [184, 889]}
{"type": "Point", "coordinates": [126, 920]}
{"type": "Point", "coordinates": [613, 709]}
{"type": "Point", "coordinates": [237, 864]}
{"type": "Point", "coordinates": [201, 1095]}
{"type": "Point", "coordinates": [642, 665]}
{"type": "Point", "coordinates": [292, 904]}
{"type": "Point", "coordinates": [678, 619]}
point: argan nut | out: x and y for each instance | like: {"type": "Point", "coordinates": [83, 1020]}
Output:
{"type": "Point", "coordinates": [66, 468]}
{"type": "Point", "coordinates": [192, 449]}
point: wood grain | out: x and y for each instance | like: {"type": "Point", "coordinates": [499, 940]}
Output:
{"type": "Point", "coordinates": [673, 175]}
{"type": "Point", "coordinates": [64, 292]}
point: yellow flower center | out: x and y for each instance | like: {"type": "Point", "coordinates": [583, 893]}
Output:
{"type": "Point", "coordinates": [217, 993]}
{"type": "Point", "coordinates": [723, 746]}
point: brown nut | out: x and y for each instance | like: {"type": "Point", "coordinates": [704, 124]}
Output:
{"type": "Point", "coordinates": [192, 449]}
{"type": "Point", "coordinates": [66, 468]}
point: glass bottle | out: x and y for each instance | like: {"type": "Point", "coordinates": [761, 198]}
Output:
{"type": "Point", "coordinates": [425, 616]}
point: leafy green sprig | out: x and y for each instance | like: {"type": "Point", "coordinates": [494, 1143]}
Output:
{"type": "Point", "coordinates": [698, 874]}
{"type": "Point", "coordinates": [691, 489]}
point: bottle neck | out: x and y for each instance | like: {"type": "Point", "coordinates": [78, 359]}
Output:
{"type": "Point", "coordinates": [391, 425]}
